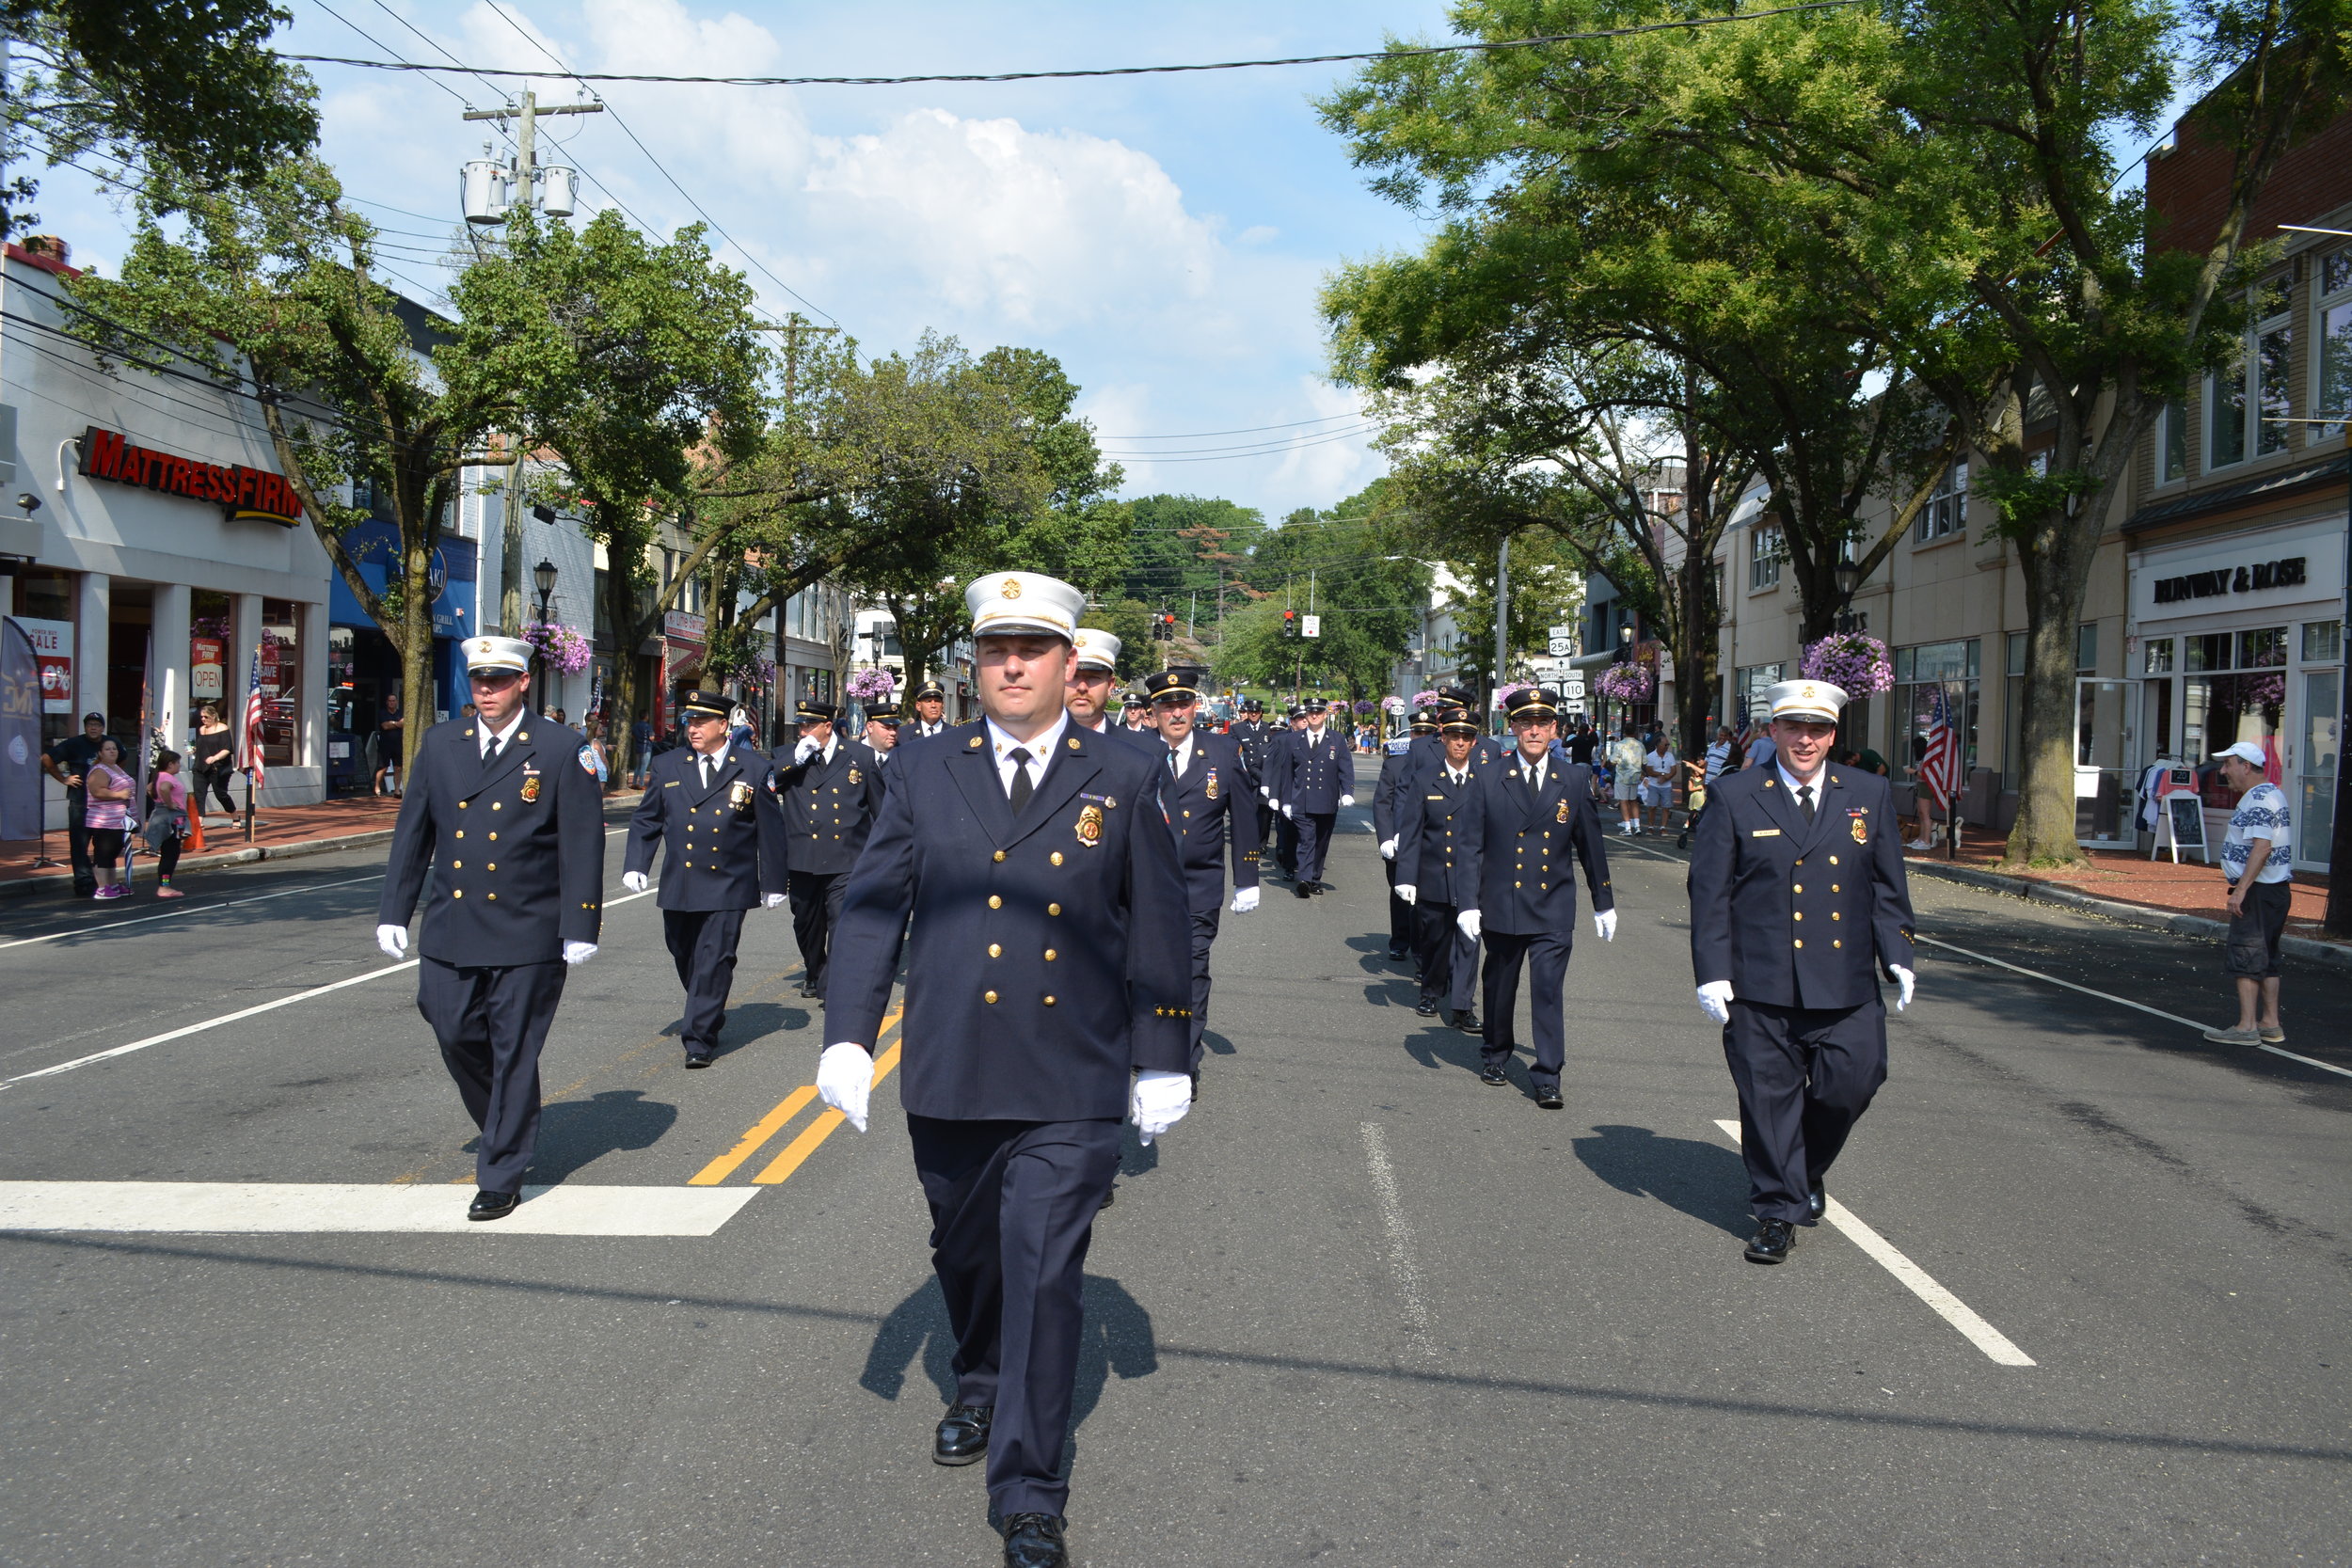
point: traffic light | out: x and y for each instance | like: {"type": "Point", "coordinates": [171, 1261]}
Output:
{"type": "Point", "coordinates": [1167, 627]}
{"type": "Point", "coordinates": [1290, 625]}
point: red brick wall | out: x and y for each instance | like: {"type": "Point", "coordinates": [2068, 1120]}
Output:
{"type": "Point", "coordinates": [2188, 187]}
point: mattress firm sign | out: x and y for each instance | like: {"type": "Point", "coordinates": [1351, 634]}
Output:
{"type": "Point", "coordinates": [241, 492]}
{"type": "Point", "coordinates": [2263, 572]}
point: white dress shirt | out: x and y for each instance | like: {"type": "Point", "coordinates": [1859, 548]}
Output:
{"type": "Point", "coordinates": [1797, 786]}
{"type": "Point", "coordinates": [1040, 751]}
{"type": "Point", "coordinates": [1182, 751]}
{"type": "Point", "coordinates": [500, 737]}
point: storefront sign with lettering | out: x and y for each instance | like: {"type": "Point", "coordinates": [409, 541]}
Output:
{"type": "Point", "coordinates": [239, 490]}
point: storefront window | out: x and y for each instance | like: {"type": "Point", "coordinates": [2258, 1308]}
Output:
{"type": "Point", "coordinates": [2335, 344]}
{"type": "Point", "coordinates": [1754, 680]}
{"type": "Point", "coordinates": [282, 683]}
{"type": "Point", "coordinates": [1920, 673]}
{"type": "Point", "coordinates": [2316, 793]}
{"type": "Point", "coordinates": [2246, 703]}
{"type": "Point", "coordinates": [2323, 641]}
{"type": "Point", "coordinates": [2160, 657]}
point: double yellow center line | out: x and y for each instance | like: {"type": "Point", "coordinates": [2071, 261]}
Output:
{"type": "Point", "coordinates": [811, 1137]}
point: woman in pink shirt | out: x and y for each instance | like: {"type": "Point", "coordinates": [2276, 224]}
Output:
{"type": "Point", "coordinates": [167, 819]}
{"type": "Point", "coordinates": [108, 816]}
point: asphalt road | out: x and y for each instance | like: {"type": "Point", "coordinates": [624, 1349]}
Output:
{"type": "Point", "coordinates": [1356, 1308]}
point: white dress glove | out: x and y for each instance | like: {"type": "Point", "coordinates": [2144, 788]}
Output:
{"type": "Point", "coordinates": [1158, 1103]}
{"type": "Point", "coordinates": [1387, 849]}
{"type": "Point", "coordinates": [578, 952]}
{"type": "Point", "coordinates": [1605, 922]}
{"type": "Point", "coordinates": [772, 900]}
{"type": "Point", "coordinates": [1904, 978]}
{"type": "Point", "coordinates": [1266, 791]}
{"type": "Point", "coordinates": [804, 751]}
{"type": "Point", "coordinates": [1407, 892]}
{"type": "Point", "coordinates": [1347, 800]}
{"type": "Point", "coordinates": [1468, 921]}
{"type": "Point", "coordinates": [844, 1080]}
{"type": "Point", "coordinates": [633, 881]}
{"type": "Point", "coordinates": [1715, 1000]}
{"type": "Point", "coordinates": [393, 940]}
{"type": "Point", "coordinates": [1245, 899]}
{"type": "Point", "coordinates": [1291, 812]}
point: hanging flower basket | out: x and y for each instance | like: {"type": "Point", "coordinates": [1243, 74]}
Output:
{"type": "Point", "coordinates": [872, 684]}
{"type": "Point", "coordinates": [1629, 683]}
{"type": "Point", "coordinates": [1392, 703]}
{"type": "Point", "coordinates": [559, 647]}
{"type": "Point", "coordinates": [1427, 698]}
{"type": "Point", "coordinates": [1852, 660]}
{"type": "Point", "coordinates": [757, 672]}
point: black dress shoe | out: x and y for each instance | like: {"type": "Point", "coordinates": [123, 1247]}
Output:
{"type": "Point", "coordinates": [962, 1434]}
{"type": "Point", "coordinates": [1550, 1100]}
{"type": "Point", "coordinates": [700, 1058]}
{"type": "Point", "coordinates": [1320, 887]}
{"type": "Point", "coordinates": [1110, 1196]}
{"type": "Point", "coordinates": [488, 1205]}
{"type": "Point", "coordinates": [1302, 890]}
{"type": "Point", "coordinates": [1035, 1541]}
{"type": "Point", "coordinates": [1468, 1022]}
{"type": "Point", "coordinates": [1494, 1077]}
{"type": "Point", "coordinates": [1816, 1205]}
{"type": "Point", "coordinates": [1398, 955]}
{"type": "Point", "coordinates": [1427, 1009]}
{"type": "Point", "coordinates": [1771, 1242]}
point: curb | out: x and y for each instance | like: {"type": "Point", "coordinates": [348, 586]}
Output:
{"type": "Point", "coordinates": [29, 886]}
{"type": "Point", "coordinates": [2328, 952]}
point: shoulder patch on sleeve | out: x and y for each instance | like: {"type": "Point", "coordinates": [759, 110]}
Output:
{"type": "Point", "coordinates": [588, 759]}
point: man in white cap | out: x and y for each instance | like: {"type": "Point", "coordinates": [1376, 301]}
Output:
{"type": "Point", "coordinates": [2257, 857]}
{"type": "Point", "coordinates": [1094, 675]}
{"type": "Point", "coordinates": [1798, 901]}
{"type": "Point", "coordinates": [506, 809]}
{"type": "Point", "coordinates": [1025, 864]}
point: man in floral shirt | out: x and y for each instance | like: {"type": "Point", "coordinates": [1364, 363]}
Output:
{"type": "Point", "coordinates": [2257, 858]}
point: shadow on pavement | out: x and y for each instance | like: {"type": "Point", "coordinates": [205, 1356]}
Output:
{"type": "Point", "coordinates": [1705, 1181]}
{"type": "Point", "coordinates": [1437, 1046]}
{"type": "Point", "coordinates": [574, 1133]}
{"type": "Point", "coordinates": [1217, 1044]}
{"type": "Point", "coordinates": [757, 1021]}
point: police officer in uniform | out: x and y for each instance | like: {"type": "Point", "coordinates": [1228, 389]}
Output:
{"type": "Point", "coordinates": [930, 706]}
{"type": "Point", "coordinates": [726, 845]}
{"type": "Point", "coordinates": [505, 808]}
{"type": "Point", "coordinates": [1396, 772]}
{"type": "Point", "coordinates": [1204, 793]}
{"type": "Point", "coordinates": [1047, 997]}
{"type": "Point", "coordinates": [1314, 777]}
{"type": "Point", "coordinates": [1516, 884]}
{"type": "Point", "coordinates": [1433, 817]}
{"type": "Point", "coordinates": [829, 796]}
{"type": "Point", "coordinates": [1798, 900]}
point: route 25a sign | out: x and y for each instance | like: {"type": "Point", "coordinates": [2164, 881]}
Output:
{"type": "Point", "coordinates": [240, 491]}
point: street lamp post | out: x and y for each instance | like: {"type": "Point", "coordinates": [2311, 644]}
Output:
{"type": "Point", "coordinates": [1847, 575]}
{"type": "Point", "coordinates": [543, 575]}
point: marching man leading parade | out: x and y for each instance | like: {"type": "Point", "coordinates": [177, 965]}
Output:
{"type": "Point", "coordinates": [504, 808]}
{"type": "Point", "coordinates": [1517, 885]}
{"type": "Point", "coordinates": [829, 796]}
{"type": "Point", "coordinates": [725, 838]}
{"type": "Point", "coordinates": [1313, 776]}
{"type": "Point", "coordinates": [1048, 996]}
{"type": "Point", "coordinates": [1798, 900]}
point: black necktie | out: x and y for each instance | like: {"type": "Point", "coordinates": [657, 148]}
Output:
{"type": "Point", "coordinates": [706, 767]}
{"type": "Point", "coordinates": [1805, 799]}
{"type": "Point", "coordinates": [1022, 787]}
{"type": "Point", "coordinates": [1175, 763]}
{"type": "Point", "coordinates": [490, 752]}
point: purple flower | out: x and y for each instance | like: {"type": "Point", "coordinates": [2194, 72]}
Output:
{"type": "Point", "coordinates": [1852, 660]}
{"type": "Point", "coordinates": [558, 646]}
{"type": "Point", "coordinates": [1629, 683]}
{"type": "Point", "coordinates": [872, 685]}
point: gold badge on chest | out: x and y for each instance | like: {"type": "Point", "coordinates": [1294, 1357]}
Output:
{"type": "Point", "coordinates": [1091, 826]}
{"type": "Point", "coordinates": [1861, 825]}
{"type": "Point", "coordinates": [1561, 815]}
{"type": "Point", "coordinates": [1212, 786]}
{"type": "Point", "coordinates": [739, 795]}
{"type": "Point", "coordinates": [854, 776]}
{"type": "Point", "coordinates": [530, 789]}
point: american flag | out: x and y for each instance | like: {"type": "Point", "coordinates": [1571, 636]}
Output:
{"type": "Point", "coordinates": [253, 721]}
{"type": "Point", "coordinates": [1940, 764]}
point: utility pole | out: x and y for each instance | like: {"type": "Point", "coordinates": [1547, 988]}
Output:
{"type": "Point", "coordinates": [526, 177]}
{"type": "Point", "coordinates": [794, 325]}
{"type": "Point", "coordinates": [1503, 610]}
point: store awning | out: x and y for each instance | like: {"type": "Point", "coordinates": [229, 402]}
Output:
{"type": "Point", "coordinates": [1600, 660]}
{"type": "Point", "coordinates": [20, 536]}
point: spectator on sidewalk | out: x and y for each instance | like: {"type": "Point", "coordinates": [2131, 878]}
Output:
{"type": "Point", "coordinates": [2257, 857]}
{"type": "Point", "coordinates": [167, 819]}
{"type": "Point", "coordinates": [388, 729]}
{"type": "Point", "coordinates": [107, 815]}
{"type": "Point", "coordinates": [69, 762]}
{"type": "Point", "coordinates": [1658, 785]}
{"type": "Point", "coordinates": [640, 751]}
{"type": "Point", "coordinates": [212, 754]}
{"type": "Point", "coordinates": [602, 753]}
{"type": "Point", "coordinates": [1624, 767]}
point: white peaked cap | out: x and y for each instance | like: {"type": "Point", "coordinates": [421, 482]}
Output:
{"type": "Point", "coordinates": [1097, 648]}
{"type": "Point", "coordinates": [1807, 700]}
{"type": "Point", "coordinates": [1022, 604]}
{"type": "Point", "coordinates": [498, 653]}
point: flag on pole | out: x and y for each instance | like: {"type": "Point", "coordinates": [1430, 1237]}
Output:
{"type": "Point", "coordinates": [1940, 763]}
{"type": "Point", "coordinates": [253, 721]}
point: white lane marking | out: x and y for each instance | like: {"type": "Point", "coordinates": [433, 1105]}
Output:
{"type": "Point", "coordinates": [1917, 1280]}
{"type": "Point", "coordinates": [242, 1207]}
{"type": "Point", "coordinates": [2121, 1002]}
{"type": "Point", "coordinates": [187, 1029]}
{"type": "Point", "coordinates": [2103, 996]}
{"type": "Point", "coordinates": [104, 926]}
{"type": "Point", "coordinates": [1400, 1238]}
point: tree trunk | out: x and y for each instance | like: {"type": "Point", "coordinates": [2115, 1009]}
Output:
{"type": "Point", "coordinates": [415, 650]}
{"type": "Point", "coordinates": [620, 592]}
{"type": "Point", "coordinates": [2057, 562]}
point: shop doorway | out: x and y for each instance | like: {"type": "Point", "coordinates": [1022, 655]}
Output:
{"type": "Point", "coordinates": [131, 686]}
{"type": "Point", "coordinates": [2105, 787]}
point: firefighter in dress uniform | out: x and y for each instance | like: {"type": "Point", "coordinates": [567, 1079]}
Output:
{"type": "Point", "coordinates": [930, 707]}
{"type": "Point", "coordinates": [1204, 792]}
{"type": "Point", "coordinates": [1023, 863]}
{"type": "Point", "coordinates": [1314, 776]}
{"type": "Point", "coordinates": [1798, 903]}
{"type": "Point", "coordinates": [879, 746]}
{"type": "Point", "coordinates": [1094, 681]}
{"type": "Point", "coordinates": [1532, 820]}
{"type": "Point", "coordinates": [829, 796]}
{"type": "Point", "coordinates": [1255, 737]}
{"type": "Point", "coordinates": [1278, 759]}
{"type": "Point", "coordinates": [725, 853]}
{"type": "Point", "coordinates": [1397, 766]}
{"type": "Point", "coordinates": [1432, 823]}
{"type": "Point", "coordinates": [506, 809]}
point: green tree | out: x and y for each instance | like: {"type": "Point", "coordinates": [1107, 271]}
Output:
{"type": "Point", "coordinates": [1347, 567]}
{"type": "Point", "coordinates": [189, 91]}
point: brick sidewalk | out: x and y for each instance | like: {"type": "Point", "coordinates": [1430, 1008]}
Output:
{"type": "Point", "coordinates": [2128, 877]}
{"type": "Point", "coordinates": [278, 830]}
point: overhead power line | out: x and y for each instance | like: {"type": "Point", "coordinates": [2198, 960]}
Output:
{"type": "Point", "coordinates": [1479, 47]}
{"type": "Point", "coordinates": [1245, 430]}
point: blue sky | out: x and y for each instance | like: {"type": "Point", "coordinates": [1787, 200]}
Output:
{"type": "Point", "coordinates": [1163, 236]}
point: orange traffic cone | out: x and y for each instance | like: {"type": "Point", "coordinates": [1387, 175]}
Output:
{"type": "Point", "coordinates": [196, 831]}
